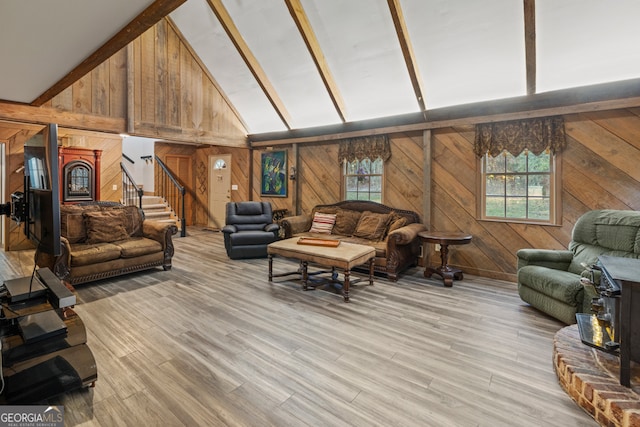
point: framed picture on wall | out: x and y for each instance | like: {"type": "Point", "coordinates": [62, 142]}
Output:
{"type": "Point", "coordinates": [273, 166]}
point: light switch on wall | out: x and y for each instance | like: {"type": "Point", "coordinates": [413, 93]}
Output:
{"type": "Point", "coordinates": [115, 187]}
{"type": "Point", "coordinates": [234, 187]}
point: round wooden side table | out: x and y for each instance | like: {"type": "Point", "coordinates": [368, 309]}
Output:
{"type": "Point", "coordinates": [444, 239]}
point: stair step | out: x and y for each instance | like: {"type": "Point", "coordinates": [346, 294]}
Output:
{"type": "Point", "coordinates": [152, 200]}
{"type": "Point", "coordinates": [155, 215]}
{"type": "Point", "coordinates": [154, 206]}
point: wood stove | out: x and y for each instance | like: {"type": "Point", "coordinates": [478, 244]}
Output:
{"type": "Point", "coordinates": [615, 326]}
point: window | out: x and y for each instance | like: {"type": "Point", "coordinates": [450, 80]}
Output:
{"type": "Point", "coordinates": [521, 188]}
{"type": "Point", "coordinates": [362, 179]}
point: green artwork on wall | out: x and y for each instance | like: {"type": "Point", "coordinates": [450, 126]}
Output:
{"type": "Point", "coordinates": [274, 174]}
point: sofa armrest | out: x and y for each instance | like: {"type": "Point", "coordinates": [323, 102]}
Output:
{"type": "Point", "coordinates": [59, 265]}
{"type": "Point", "coordinates": [228, 229]}
{"type": "Point", "coordinates": [295, 224]}
{"type": "Point", "coordinates": [159, 231]}
{"type": "Point", "coordinates": [273, 227]}
{"type": "Point", "coordinates": [407, 234]}
{"type": "Point", "coordinates": [555, 259]}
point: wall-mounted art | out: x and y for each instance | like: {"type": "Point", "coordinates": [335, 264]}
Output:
{"type": "Point", "coordinates": [274, 174]}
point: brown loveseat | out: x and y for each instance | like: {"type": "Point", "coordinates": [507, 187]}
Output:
{"type": "Point", "coordinates": [392, 232]}
{"type": "Point", "coordinates": [106, 239]}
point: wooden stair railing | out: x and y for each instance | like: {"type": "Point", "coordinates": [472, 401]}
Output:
{"type": "Point", "coordinates": [131, 193]}
{"type": "Point", "coordinates": [168, 187]}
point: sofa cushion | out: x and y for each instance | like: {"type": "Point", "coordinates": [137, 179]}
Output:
{"type": "Point", "coordinates": [252, 237]}
{"type": "Point", "coordinates": [72, 225]}
{"type": "Point", "coordinates": [380, 247]}
{"type": "Point", "coordinates": [132, 218]}
{"type": "Point", "coordinates": [105, 226]}
{"type": "Point", "coordinates": [396, 221]}
{"type": "Point", "coordinates": [322, 223]}
{"type": "Point", "coordinates": [88, 253]}
{"type": "Point", "coordinates": [346, 222]}
{"type": "Point", "coordinates": [372, 226]}
{"type": "Point", "coordinates": [137, 246]}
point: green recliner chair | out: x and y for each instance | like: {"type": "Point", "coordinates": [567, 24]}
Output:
{"type": "Point", "coordinates": [549, 280]}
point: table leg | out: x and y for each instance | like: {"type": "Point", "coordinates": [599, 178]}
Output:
{"type": "Point", "coordinates": [305, 275]}
{"type": "Point", "coordinates": [447, 273]}
{"type": "Point", "coordinates": [345, 289]}
{"type": "Point", "coordinates": [270, 267]}
{"type": "Point", "coordinates": [444, 257]}
{"type": "Point", "coordinates": [371, 264]}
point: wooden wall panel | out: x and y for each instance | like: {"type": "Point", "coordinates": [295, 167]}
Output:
{"type": "Point", "coordinates": [598, 172]}
{"type": "Point", "coordinates": [174, 98]}
{"type": "Point", "coordinates": [319, 175]}
{"type": "Point", "coordinates": [197, 188]}
{"type": "Point", "coordinates": [178, 100]}
{"type": "Point", "coordinates": [403, 173]}
{"type": "Point", "coordinates": [111, 146]}
{"type": "Point", "coordinates": [118, 84]}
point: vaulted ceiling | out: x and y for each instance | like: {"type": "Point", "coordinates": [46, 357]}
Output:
{"type": "Point", "coordinates": [293, 64]}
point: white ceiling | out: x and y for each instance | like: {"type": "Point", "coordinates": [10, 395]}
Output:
{"type": "Point", "coordinates": [42, 41]}
{"type": "Point", "coordinates": [465, 51]}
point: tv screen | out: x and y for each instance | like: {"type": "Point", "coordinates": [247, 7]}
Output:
{"type": "Point", "coordinates": [42, 193]}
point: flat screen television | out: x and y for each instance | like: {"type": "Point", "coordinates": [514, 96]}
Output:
{"type": "Point", "coordinates": [41, 190]}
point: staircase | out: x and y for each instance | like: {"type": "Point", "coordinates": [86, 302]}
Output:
{"type": "Point", "coordinates": [157, 209]}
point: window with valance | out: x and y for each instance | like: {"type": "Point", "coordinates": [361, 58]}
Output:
{"type": "Point", "coordinates": [362, 162]}
{"type": "Point", "coordinates": [533, 135]}
{"type": "Point", "coordinates": [519, 169]}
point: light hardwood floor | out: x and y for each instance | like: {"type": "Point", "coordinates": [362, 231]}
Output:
{"type": "Point", "coordinates": [213, 343]}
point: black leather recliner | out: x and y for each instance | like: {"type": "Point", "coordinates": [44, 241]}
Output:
{"type": "Point", "coordinates": [249, 229]}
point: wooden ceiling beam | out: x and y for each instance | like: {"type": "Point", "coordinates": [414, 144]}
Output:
{"type": "Point", "coordinates": [530, 44]}
{"type": "Point", "coordinates": [250, 60]}
{"type": "Point", "coordinates": [308, 35]}
{"type": "Point", "coordinates": [145, 20]}
{"type": "Point", "coordinates": [605, 96]}
{"type": "Point", "coordinates": [407, 51]}
{"type": "Point", "coordinates": [29, 115]}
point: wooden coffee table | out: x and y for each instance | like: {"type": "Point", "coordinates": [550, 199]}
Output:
{"type": "Point", "coordinates": [345, 256]}
{"type": "Point", "coordinates": [444, 239]}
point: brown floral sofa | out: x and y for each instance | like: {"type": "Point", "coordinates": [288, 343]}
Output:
{"type": "Point", "coordinates": [392, 232]}
{"type": "Point", "coordinates": [106, 239]}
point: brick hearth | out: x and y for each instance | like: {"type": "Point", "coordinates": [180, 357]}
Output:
{"type": "Point", "coordinates": [591, 378]}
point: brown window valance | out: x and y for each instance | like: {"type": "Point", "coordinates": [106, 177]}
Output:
{"type": "Point", "coordinates": [535, 135]}
{"type": "Point", "coordinates": [369, 146]}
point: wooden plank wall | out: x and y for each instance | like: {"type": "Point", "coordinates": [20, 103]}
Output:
{"type": "Point", "coordinates": [198, 185]}
{"type": "Point", "coordinates": [599, 171]}
{"type": "Point", "coordinates": [319, 174]}
{"type": "Point", "coordinates": [111, 146]}
{"type": "Point", "coordinates": [103, 91]}
{"type": "Point", "coordinates": [173, 97]}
